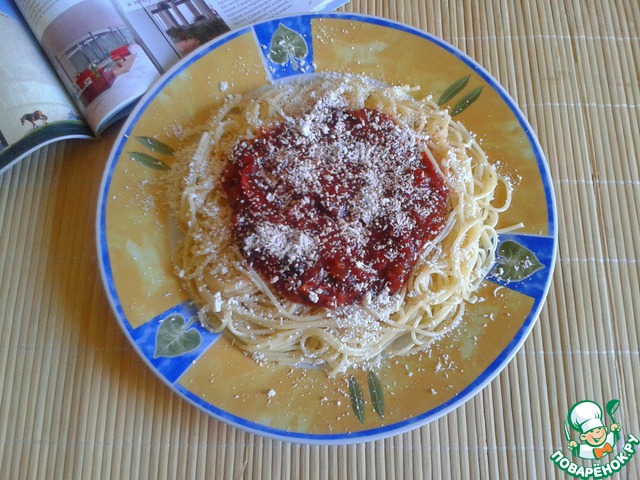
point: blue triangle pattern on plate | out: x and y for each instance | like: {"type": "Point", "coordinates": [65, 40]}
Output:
{"type": "Point", "coordinates": [173, 340]}
{"type": "Point", "coordinates": [523, 263]}
{"type": "Point", "coordinates": [286, 46]}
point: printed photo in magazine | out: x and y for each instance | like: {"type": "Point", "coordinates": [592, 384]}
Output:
{"type": "Point", "coordinates": [94, 54]}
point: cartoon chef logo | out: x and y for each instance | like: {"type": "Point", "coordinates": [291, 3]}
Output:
{"type": "Point", "coordinates": [596, 440]}
{"type": "Point", "coordinates": [598, 443]}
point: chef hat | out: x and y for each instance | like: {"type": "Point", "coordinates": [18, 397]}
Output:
{"type": "Point", "coordinates": [585, 416]}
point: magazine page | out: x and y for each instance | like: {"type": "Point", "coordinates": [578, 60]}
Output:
{"type": "Point", "coordinates": [34, 106]}
{"type": "Point", "coordinates": [107, 53]}
{"type": "Point", "coordinates": [94, 54]}
{"type": "Point", "coordinates": [168, 30]}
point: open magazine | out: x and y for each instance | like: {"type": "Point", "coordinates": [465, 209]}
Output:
{"type": "Point", "coordinates": [70, 68]}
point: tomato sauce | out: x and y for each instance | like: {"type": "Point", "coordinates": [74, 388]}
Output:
{"type": "Point", "coordinates": [335, 205]}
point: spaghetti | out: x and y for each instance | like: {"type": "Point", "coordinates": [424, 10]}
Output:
{"type": "Point", "coordinates": [218, 260]}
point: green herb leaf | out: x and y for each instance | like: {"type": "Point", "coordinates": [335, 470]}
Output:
{"type": "Point", "coordinates": [357, 399]}
{"type": "Point", "coordinates": [287, 45]}
{"type": "Point", "coordinates": [377, 394]}
{"type": "Point", "coordinates": [455, 88]}
{"type": "Point", "coordinates": [174, 338]}
{"type": "Point", "coordinates": [465, 101]}
{"type": "Point", "coordinates": [515, 262]}
{"type": "Point", "coordinates": [155, 145]}
{"type": "Point", "coordinates": [148, 161]}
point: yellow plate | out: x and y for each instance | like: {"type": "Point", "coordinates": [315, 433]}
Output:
{"type": "Point", "coordinates": [304, 405]}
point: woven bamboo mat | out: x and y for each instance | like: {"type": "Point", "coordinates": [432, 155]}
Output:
{"type": "Point", "coordinates": [77, 402]}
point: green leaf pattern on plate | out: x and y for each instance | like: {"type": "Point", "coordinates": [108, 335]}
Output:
{"type": "Point", "coordinates": [175, 337]}
{"type": "Point", "coordinates": [515, 262]}
{"type": "Point", "coordinates": [155, 145]}
{"type": "Point", "coordinates": [454, 89]}
{"type": "Point", "coordinates": [377, 395]}
{"type": "Point", "coordinates": [466, 101]}
{"type": "Point", "coordinates": [357, 399]}
{"type": "Point", "coordinates": [148, 160]}
{"type": "Point", "coordinates": [287, 45]}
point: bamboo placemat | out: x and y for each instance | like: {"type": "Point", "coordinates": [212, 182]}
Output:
{"type": "Point", "coordinates": [77, 402]}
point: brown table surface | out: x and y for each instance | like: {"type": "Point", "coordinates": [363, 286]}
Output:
{"type": "Point", "coordinates": [76, 401]}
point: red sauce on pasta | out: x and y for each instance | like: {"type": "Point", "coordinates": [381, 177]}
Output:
{"type": "Point", "coordinates": [334, 205]}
